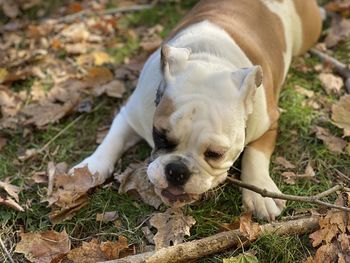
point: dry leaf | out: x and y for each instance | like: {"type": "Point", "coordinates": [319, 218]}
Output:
{"type": "Point", "coordinates": [309, 172]}
{"type": "Point", "coordinates": [339, 31]}
{"type": "Point", "coordinates": [10, 8]}
{"type": "Point", "coordinates": [9, 202]}
{"type": "Point", "coordinates": [101, 58]}
{"type": "Point", "coordinates": [39, 177]}
{"type": "Point", "coordinates": [76, 49]}
{"type": "Point", "coordinates": [150, 44]}
{"type": "Point", "coordinates": [107, 216]}
{"type": "Point", "coordinates": [172, 226]}
{"type": "Point", "coordinates": [333, 235]}
{"type": "Point", "coordinates": [76, 32]}
{"type": "Point", "coordinates": [114, 89]}
{"type": "Point", "coordinates": [135, 179]}
{"type": "Point", "coordinates": [341, 114]}
{"type": "Point", "coordinates": [333, 143]}
{"type": "Point", "coordinates": [91, 252]}
{"type": "Point", "coordinates": [284, 162]}
{"type": "Point", "coordinates": [97, 76]}
{"type": "Point", "coordinates": [303, 91]}
{"type": "Point", "coordinates": [331, 83]}
{"type": "Point", "coordinates": [339, 6]}
{"type": "Point", "coordinates": [74, 8]}
{"type": "Point", "coordinates": [27, 154]}
{"type": "Point", "coordinates": [248, 228]}
{"type": "Point", "coordinates": [3, 142]}
{"type": "Point", "coordinates": [42, 115]}
{"type": "Point", "coordinates": [289, 177]}
{"type": "Point", "coordinates": [3, 75]}
{"type": "Point", "coordinates": [12, 190]}
{"type": "Point", "coordinates": [70, 193]}
{"type": "Point", "coordinates": [42, 247]}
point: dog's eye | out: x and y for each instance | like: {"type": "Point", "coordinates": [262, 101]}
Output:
{"type": "Point", "coordinates": [161, 141]}
{"type": "Point", "coordinates": [209, 154]}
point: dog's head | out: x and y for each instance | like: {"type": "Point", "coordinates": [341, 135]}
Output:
{"type": "Point", "coordinates": [199, 123]}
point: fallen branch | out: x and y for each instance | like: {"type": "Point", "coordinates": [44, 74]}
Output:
{"type": "Point", "coordinates": [315, 199]}
{"type": "Point", "coordinates": [222, 241]}
{"type": "Point", "coordinates": [341, 68]}
{"type": "Point", "coordinates": [88, 12]}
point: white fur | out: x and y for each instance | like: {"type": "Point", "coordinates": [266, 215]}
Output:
{"type": "Point", "coordinates": [255, 171]}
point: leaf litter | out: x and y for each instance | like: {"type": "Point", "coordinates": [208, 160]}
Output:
{"type": "Point", "coordinates": [69, 193]}
{"type": "Point", "coordinates": [51, 246]}
{"type": "Point", "coordinates": [333, 143]}
{"type": "Point", "coordinates": [291, 177]}
{"type": "Point", "coordinates": [332, 239]}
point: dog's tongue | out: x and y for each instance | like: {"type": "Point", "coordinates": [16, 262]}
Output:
{"type": "Point", "coordinates": [175, 190]}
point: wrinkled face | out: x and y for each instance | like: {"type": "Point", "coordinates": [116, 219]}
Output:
{"type": "Point", "coordinates": [198, 130]}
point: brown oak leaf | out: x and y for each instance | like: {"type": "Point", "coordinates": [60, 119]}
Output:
{"type": "Point", "coordinates": [134, 180]}
{"type": "Point", "coordinates": [341, 114]}
{"type": "Point", "coordinates": [248, 228]}
{"type": "Point", "coordinates": [93, 251]}
{"type": "Point", "coordinates": [42, 247]}
{"type": "Point", "coordinates": [172, 226]}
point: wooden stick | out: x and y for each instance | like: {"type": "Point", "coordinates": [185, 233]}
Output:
{"type": "Point", "coordinates": [308, 199]}
{"type": "Point", "coordinates": [219, 242]}
{"type": "Point", "coordinates": [341, 68]}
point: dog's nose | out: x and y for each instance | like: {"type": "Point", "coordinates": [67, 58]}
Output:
{"type": "Point", "coordinates": [177, 173]}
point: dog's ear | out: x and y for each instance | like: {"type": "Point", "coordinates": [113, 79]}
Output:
{"type": "Point", "coordinates": [173, 59]}
{"type": "Point", "coordinates": [248, 80]}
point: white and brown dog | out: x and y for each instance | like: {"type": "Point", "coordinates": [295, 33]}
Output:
{"type": "Point", "coordinates": [202, 99]}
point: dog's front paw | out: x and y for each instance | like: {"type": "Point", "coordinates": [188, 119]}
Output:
{"type": "Point", "coordinates": [263, 207]}
{"type": "Point", "coordinates": [95, 165]}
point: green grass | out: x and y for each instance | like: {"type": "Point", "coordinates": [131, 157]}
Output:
{"type": "Point", "coordinates": [296, 142]}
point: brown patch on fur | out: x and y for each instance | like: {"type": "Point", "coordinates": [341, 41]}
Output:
{"type": "Point", "coordinates": [164, 53]}
{"type": "Point", "coordinates": [162, 114]}
{"type": "Point", "coordinates": [257, 30]}
{"type": "Point", "coordinates": [311, 21]}
{"type": "Point", "coordinates": [266, 143]}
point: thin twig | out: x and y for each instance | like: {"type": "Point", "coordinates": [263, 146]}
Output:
{"type": "Point", "coordinates": [341, 68]}
{"type": "Point", "coordinates": [342, 175]}
{"type": "Point", "coordinates": [88, 12]}
{"type": "Point", "coordinates": [330, 191]}
{"type": "Point", "coordinates": [59, 134]}
{"type": "Point", "coordinates": [309, 199]}
{"type": "Point", "coordinates": [6, 251]}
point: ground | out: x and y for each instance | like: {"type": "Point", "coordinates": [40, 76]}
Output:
{"type": "Point", "coordinates": [297, 143]}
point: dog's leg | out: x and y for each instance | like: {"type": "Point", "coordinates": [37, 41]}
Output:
{"type": "Point", "coordinates": [120, 137]}
{"type": "Point", "coordinates": [255, 171]}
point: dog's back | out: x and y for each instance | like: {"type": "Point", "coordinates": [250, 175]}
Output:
{"type": "Point", "coordinates": [269, 32]}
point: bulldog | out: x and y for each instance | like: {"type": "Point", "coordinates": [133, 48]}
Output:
{"type": "Point", "coordinates": [208, 93]}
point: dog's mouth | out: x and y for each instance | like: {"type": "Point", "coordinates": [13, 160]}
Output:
{"type": "Point", "coordinates": [175, 196]}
